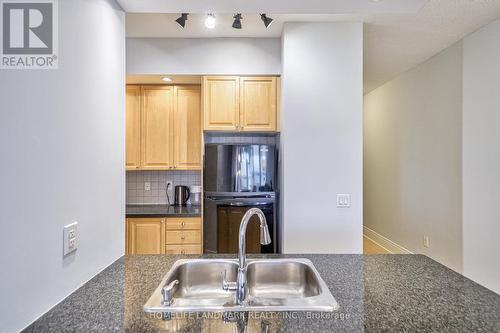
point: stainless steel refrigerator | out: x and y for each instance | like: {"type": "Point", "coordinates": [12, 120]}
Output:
{"type": "Point", "coordinates": [236, 178]}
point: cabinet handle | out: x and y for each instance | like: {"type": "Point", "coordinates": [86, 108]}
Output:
{"type": "Point", "coordinates": [183, 223]}
{"type": "Point", "coordinates": [183, 237]}
{"type": "Point", "coordinates": [183, 251]}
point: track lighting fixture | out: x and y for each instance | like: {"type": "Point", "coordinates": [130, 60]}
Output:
{"type": "Point", "coordinates": [237, 21]}
{"type": "Point", "coordinates": [210, 21]}
{"type": "Point", "coordinates": [182, 20]}
{"type": "Point", "coordinates": [267, 20]}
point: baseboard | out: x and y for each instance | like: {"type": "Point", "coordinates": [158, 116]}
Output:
{"type": "Point", "coordinates": [384, 242]}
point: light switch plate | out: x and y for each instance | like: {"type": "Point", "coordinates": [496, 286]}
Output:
{"type": "Point", "coordinates": [427, 242]}
{"type": "Point", "coordinates": [70, 238]}
{"type": "Point", "coordinates": [343, 200]}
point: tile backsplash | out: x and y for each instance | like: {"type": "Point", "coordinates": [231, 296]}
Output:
{"type": "Point", "coordinates": [246, 138]}
{"type": "Point", "coordinates": [136, 193]}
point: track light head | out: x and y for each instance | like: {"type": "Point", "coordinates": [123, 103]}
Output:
{"type": "Point", "coordinates": [237, 21]}
{"type": "Point", "coordinates": [267, 20]}
{"type": "Point", "coordinates": [182, 19]}
{"type": "Point", "coordinates": [210, 21]}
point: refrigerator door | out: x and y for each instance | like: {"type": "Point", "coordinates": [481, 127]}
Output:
{"type": "Point", "coordinates": [239, 168]}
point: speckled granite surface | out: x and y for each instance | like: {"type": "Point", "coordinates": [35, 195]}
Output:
{"type": "Point", "coordinates": [162, 211]}
{"type": "Point", "coordinates": [376, 293]}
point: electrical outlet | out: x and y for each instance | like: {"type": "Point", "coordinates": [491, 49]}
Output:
{"type": "Point", "coordinates": [147, 186]}
{"type": "Point", "coordinates": [70, 238]}
{"type": "Point", "coordinates": [169, 185]}
{"type": "Point", "coordinates": [343, 200]}
{"type": "Point", "coordinates": [427, 242]}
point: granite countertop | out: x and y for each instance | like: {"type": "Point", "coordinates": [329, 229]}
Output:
{"type": "Point", "coordinates": [376, 293]}
{"type": "Point", "coordinates": [162, 211]}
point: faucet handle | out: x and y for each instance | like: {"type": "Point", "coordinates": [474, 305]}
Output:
{"type": "Point", "coordinates": [231, 286]}
{"type": "Point", "coordinates": [168, 292]}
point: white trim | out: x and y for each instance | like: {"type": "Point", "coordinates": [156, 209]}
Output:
{"type": "Point", "coordinates": [384, 242]}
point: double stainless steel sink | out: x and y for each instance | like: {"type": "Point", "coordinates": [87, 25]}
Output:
{"type": "Point", "coordinates": [272, 285]}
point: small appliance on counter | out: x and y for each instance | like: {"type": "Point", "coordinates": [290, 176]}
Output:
{"type": "Point", "coordinates": [195, 195]}
{"type": "Point", "coordinates": [181, 195]}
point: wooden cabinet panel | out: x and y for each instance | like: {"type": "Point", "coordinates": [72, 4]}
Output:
{"type": "Point", "coordinates": [145, 236]}
{"type": "Point", "coordinates": [278, 104]}
{"type": "Point", "coordinates": [228, 226]}
{"type": "Point", "coordinates": [258, 104]}
{"type": "Point", "coordinates": [184, 223]}
{"type": "Point", "coordinates": [183, 249]}
{"type": "Point", "coordinates": [156, 131]}
{"type": "Point", "coordinates": [133, 128]}
{"type": "Point", "coordinates": [183, 237]}
{"type": "Point", "coordinates": [221, 103]}
{"type": "Point", "coordinates": [187, 128]}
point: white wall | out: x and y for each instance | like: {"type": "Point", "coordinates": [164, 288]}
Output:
{"type": "Point", "coordinates": [322, 136]}
{"type": "Point", "coordinates": [412, 158]}
{"type": "Point", "coordinates": [247, 56]}
{"type": "Point", "coordinates": [62, 148]}
{"type": "Point", "coordinates": [481, 156]}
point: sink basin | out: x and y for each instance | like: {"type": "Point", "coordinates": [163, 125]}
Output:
{"type": "Point", "coordinates": [273, 285]}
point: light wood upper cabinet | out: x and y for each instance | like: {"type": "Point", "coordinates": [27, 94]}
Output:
{"type": "Point", "coordinates": [156, 146]}
{"type": "Point", "coordinates": [232, 103]}
{"type": "Point", "coordinates": [257, 104]}
{"type": "Point", "coordinates": [187, 128]}
{"type": "Point", "coordinates": [145, 236]}
{"type": "Point", "coordinates": [133, 128]}
{"type": "Point", "coordinates": [221, 103]}
{"type": "Point", "coordinates": [163, 127]}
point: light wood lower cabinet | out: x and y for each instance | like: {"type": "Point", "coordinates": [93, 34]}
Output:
{"type": "Point", "coordinates": [164, 235]}
{"type": "Point", "coordinates": [183, 237]}
{"type": "Point", "coordinates": [182, 249]}
{"type": "Point", "coordinates": [145, 236]}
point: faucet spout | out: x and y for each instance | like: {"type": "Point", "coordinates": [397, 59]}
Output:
{"type": "Point", "coordinates": [265, 237]}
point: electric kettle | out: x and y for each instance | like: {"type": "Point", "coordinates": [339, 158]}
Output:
{"type": "Point", "coordinates": [181, 195]}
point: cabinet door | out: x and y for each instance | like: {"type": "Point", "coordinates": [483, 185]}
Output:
{"type": "Point", "coordinates": [258, 104]}
{"type": "Point", "coordinates": [156, 143]}
{"type": "Point", "coordinates": [133, 128]}
{"type": "Point", "coordinates": [145, 235]}
{"type": "Point", "coordinates": [221, 103]}
{"type": "Point", "coordinates": [187, 128]}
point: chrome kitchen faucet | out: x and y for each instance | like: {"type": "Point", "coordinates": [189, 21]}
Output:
{"type": "Point", "coordinates": [265, 239]}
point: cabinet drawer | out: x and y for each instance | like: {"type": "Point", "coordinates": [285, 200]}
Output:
{"type": "Point", "coordinates": [181, 223]}
{"type": "Point", "coordinates": [183, 237]}
{"type": "Point", "coordinates": [183, 249]}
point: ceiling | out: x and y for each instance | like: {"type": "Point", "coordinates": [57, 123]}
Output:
{"type": "Point", "coordinates": [397, 36]}
{"type": "Point", "coordinates": [271, 6]}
